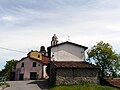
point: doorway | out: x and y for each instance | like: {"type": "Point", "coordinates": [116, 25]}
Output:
{"type": "Point", "coordinates": [21, 76]}
{"type": "Point", "coordinates": [12, 77]}
{"type": "Point", "coordinates": [33, 75]}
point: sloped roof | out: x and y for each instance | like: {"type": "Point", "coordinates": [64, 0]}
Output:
{"type": "Point", "coordinates": [44, 60]}
{"type": "Point", "coordinates": [67, 42]}
{"type": "Point", "coordinates": [73, 64]}
{"type": "Point", "coordinates": [32, 51]}
{"type": "Point", "coordinates": [114, 82]}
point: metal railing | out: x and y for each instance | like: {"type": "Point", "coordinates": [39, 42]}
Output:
{"type": "Point", "coordinates": [2, 80]}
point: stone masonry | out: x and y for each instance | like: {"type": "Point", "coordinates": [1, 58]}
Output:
{"type": "Point", "coordinates": [76, 76]}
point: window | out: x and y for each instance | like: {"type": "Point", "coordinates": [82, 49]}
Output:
{"type": "Point", "coordinates": [34, 64]}
{"type": "Point", "coordinates": [38, 56]}
{"type": "Point", "coordinates": [22, 65]}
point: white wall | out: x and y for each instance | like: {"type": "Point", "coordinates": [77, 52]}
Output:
{"type": "Point", "coordinates": [67, 52]}
{"type": "Point", "coordinates": [44, 71]}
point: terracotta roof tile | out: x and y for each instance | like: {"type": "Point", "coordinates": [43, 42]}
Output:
{"type": "Point", "coordinates": [114, 82]}
{"type": "Point", "coordinates": [44, 60]}
{"type": "Point", "coordinates": [72, 64]}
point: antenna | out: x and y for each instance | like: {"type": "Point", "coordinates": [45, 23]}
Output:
{"type": "Point", "coordinates": [68, 38]}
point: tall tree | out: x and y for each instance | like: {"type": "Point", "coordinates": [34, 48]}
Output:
{"type": "Point", "coordinates": [104, 57]}
{"type": "Point", "coordinates": [7, 69]}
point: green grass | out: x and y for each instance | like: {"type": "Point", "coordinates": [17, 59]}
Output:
{"type": "Point", "coordinates": [83, 87]}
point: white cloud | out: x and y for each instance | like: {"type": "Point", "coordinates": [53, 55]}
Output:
{"type": "Point", "coordinates": [9, 18]}
{"type": "Point", "coordinates": [27, 25]}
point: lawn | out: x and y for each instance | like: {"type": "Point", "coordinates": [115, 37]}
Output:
{"type": "Point", "coordinates": [83, 87]}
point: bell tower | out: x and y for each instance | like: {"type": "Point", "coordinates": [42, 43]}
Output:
{"type": "Point", "coordinates": [42, 50]}
{"type": "Point", "coordinates": [54, 40]}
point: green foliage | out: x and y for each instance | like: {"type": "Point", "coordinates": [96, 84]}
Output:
{"type": "Point", "coordinates": [2, 72]}
{"type": "Point", "coordinates": [83, 87]}
{"type": "Point", "coordinates": [105, 58]}
{"type": "Point", "coordinates": [7, 69]}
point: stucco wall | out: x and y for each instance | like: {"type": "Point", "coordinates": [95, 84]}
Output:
{"type": "Point", "coordinates": [28, 67]}
{"type": "Point", "coordinates": [67, 52]}
{"type": "Point", "coordinates": [76, 76]}
{"type": "Point", "coordinates": [44, 72]}
{"type": "Point", "coordinates": [34, 54]}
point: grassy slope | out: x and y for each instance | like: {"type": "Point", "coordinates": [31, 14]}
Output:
{"type": "Point", "coordinates": [83, 87]}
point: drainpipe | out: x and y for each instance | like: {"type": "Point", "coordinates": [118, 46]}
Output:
{"type": "Point", "coordinates": [42, 71]}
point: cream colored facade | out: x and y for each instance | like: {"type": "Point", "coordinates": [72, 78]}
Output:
{"type": "Point", "coordinates": [67, 52]}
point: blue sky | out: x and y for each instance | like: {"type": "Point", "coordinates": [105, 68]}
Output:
{"type": "Point", "coordinates": [28, 24]}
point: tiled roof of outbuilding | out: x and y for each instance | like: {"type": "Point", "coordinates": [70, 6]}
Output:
{"type": "Point", "coordinates": [73, 64]}
{"type": "Point", "coordinates": [114, 82]}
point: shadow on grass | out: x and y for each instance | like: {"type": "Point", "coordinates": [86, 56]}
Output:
{"type": "Point", "coordinates": [42, 84]}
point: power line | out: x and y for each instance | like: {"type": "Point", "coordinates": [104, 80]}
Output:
{"type": "Point", "coordinates": [12, 50]}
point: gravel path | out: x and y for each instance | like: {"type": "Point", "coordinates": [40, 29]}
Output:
{"type": "Point", "coordinates": [27, 85]}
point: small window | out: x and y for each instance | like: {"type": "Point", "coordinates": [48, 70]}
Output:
{"type": "Point", "coordinates": [38, 56]}
{"type": "Point", "coordinates": [22, 65]}
{"type": "Point", "coordinates": [34, 64]}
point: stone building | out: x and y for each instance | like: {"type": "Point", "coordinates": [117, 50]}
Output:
{"type": "Point", "coordinates": [72, 72]}
{"type": "Point", "coordinates": [68, 65]}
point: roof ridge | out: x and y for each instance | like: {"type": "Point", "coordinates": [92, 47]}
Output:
{"type": "Point", "coordinates": [69, 61]}
{"type": "Point", "coordinates": [68, 64]}
{"type": "Point", "coordinates": [69, 43]}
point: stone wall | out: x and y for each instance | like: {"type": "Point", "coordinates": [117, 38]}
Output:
{"type": "Point", "coordinates": [76, 76]}
{"type": "Point", "coordinates": [52, 75]}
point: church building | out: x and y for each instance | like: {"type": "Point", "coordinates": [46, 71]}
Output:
{"type": "Point", "coordinates": [68, 65]}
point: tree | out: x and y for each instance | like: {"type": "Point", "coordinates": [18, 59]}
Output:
{"type": "Point", "coordinates": [7, 69]}
{"type": "Point", "coordinates": [104, 57]}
